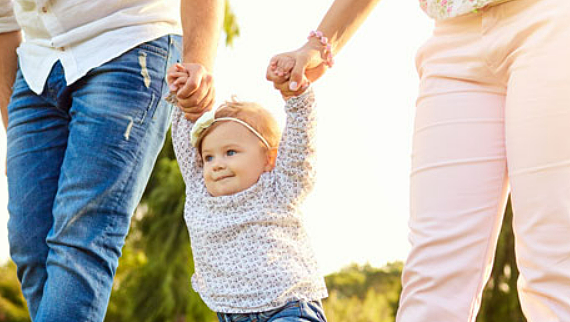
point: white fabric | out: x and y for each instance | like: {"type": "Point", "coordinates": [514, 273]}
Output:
{"type": "Point", "coordinates": [251, 251]}
{"type": "Point", "coordinates": [83, 34]}
{"type": "Point", "coordinates": [444, 9]}
{"type": "Point", "coordinates": [207, 119]}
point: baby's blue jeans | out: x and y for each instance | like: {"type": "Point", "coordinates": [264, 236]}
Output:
{"type": "Point", "coordinates": [79, 158]}
{"type": "Point", "coordinates": [295, 311]}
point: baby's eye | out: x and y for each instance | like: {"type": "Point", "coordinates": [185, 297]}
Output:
{"type": "Point", "coordinates": [231, 152]}
{"type": "Point", "coordinates": [208, 158]}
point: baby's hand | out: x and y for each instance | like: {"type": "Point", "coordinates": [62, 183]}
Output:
{"type": "Point", "coordinates": [279, 72]}
{"type": "Point", "coordinates": [176, 76]}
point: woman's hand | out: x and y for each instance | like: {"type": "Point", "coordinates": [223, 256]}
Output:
{"type": "Point", "coordinates": [297, 68]}
{"type": "Point", "coordinates": [280, 71]}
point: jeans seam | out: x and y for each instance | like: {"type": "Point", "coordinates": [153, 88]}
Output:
{"type": "Point", "coordinates": [137, 159]}
{"type": "Point", "coordinates": [154, 49]}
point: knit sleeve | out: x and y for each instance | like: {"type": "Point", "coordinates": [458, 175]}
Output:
{"type": "Point", "coordinates": [186, 155]}
{"type": "Point", "coordinates": [7, 19]}
{"type": "Point", "coordinates": [295, 165]}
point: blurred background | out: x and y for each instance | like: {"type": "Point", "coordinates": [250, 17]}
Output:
{"type": "Point", "coordinates": [357, 214]}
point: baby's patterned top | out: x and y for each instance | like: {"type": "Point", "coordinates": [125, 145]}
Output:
{"type": "Point", "coordinates": [443, 9]}
{"type": "Point", "coordinates": [251, 250]}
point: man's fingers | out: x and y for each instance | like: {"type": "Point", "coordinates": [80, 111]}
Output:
{"type": "Point", "coordinates": [192, 116]}
{"type": "Point", "coordinates": [200, 106]}
{"type": "Point", "coordinates": [196, 74]}
{"type": "Point", "coordinates": [208, 100]}
{"type": "Point", "coordinates": [198, 95]}
{"type": "Point", "coordinates": [191, 84]}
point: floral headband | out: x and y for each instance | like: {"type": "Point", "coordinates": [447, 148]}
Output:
{"type": "Point", "coordinates": [209, 118]}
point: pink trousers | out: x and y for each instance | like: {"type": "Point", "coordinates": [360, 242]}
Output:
{"type": "Point", "coordinates": [493, 114]}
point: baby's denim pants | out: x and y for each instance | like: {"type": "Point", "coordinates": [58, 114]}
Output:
{"type": "Point", "coordinates": [295, 311]}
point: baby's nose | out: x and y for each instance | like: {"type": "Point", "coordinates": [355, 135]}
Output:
{"type": "Point", "coordinates": [219, 165]}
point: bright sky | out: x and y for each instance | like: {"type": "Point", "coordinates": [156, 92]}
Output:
{"type": "Point", "coordinates": [358, 211]}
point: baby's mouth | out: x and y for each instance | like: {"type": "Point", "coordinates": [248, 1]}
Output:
{"type": "Point", "coordinates": [220, 178]}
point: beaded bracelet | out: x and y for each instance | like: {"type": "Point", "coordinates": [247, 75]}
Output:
{"type": "Point", "coordinates": [325, 42]}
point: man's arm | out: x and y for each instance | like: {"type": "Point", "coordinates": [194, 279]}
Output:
{"type": "Point", "coordinates": [201, 26]}
{"type": "Point", "coordinates": [8, 65]}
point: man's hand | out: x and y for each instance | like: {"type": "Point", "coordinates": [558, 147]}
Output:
{"type": "Point", "coordinates": [194, 88]}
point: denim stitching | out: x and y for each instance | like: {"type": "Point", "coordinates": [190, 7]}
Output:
{"type": "Point", "coordinates": [148, 46]}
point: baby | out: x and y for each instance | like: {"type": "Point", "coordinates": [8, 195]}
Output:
{"type": "Point", "coordinates": [244, 186]}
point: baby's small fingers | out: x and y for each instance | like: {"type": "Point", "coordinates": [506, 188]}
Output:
{"type": "Point", "coordinates": [273, 75]}
{"type": "Point", "coordinates": [177, 83]}
{"type": "Point", "coordinates": [285, 61]}
{"type": "Point", "coordinates": [279, 78]}
{"type": "Point", "coordinates": [173, 77]}
{"type": "Point", "coordinates": [180, 81]}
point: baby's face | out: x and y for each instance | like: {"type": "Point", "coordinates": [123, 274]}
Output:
{"type": "Point", "coordinates": [234, 159]}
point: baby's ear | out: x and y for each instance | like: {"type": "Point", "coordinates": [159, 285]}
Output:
{"type": "Point", "coordinates": [271, 157]}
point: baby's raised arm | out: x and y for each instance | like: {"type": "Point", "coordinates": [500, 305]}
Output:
{"type": "Point", "coordinates": [186, 155]}
{"type": "Point", "coordinates": [295, 165]}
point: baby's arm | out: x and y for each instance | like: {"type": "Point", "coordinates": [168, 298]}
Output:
{"type": "Point", "coordinates": [295, 164]}
{"type": "Point", "coordinates": [186, 155]}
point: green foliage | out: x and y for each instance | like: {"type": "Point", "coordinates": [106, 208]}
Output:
{"type": "Point", "coordinates": [500, 299]}
{"type": "Point", "coordinates": [231, 28]}
{"type": "Point", "coordinates": [363, 293]}
{"type": "Point", "coordinates": [12, 304]}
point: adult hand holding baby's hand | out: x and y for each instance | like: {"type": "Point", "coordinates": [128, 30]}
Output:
{"type": "Point", "coordinates": [194, 88]}
{"type": "Point", "coordinates": [291, 72]}
{"type": "Point", "coordinates": [279, 72]}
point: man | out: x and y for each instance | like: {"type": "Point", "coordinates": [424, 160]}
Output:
{"type": "Point", "coordinates": [85, 120]}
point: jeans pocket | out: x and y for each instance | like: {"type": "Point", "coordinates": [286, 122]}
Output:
{"type": "Point", "coordinates": [157, 46]}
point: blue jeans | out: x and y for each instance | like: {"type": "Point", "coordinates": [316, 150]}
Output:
{"type": "Point", "coordinates": [79, 158]}
{"type": "Point", "coordinates": [295, 311]}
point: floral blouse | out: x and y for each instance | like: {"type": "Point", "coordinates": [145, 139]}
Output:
{"type": "Point", "coordinates": [443, 9]}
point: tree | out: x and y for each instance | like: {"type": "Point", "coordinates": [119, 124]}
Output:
{"type": "Point", "coordinates": [12, 304]}
{"type": "Point", "coordinates": [500, 299]}
{"type": "Point", "coordinates": [363, 293]}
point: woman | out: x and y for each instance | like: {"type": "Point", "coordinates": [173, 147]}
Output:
{"type": "Point", "coordinates": [492, 114]}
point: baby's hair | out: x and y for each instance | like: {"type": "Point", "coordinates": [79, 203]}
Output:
{"type": "Point", "coordinates": [253, 114]}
